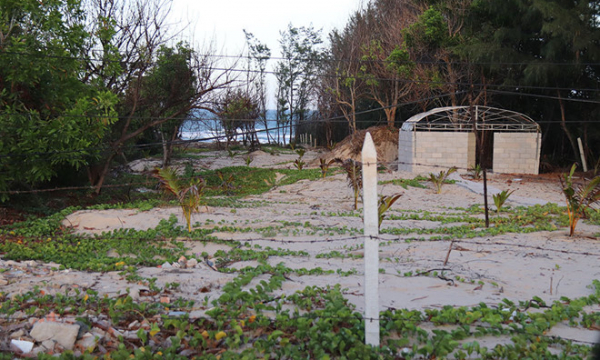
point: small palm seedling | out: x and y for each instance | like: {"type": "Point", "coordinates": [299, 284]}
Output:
{"type": "Point", "coordinates": [385, 203]}
{"type": "Point", "coordinates": [274, 180]}
{"type": "Point", "coordinates": [476, 172]}
{"type": "Point", "coordinates": [231, 153]}
{"type": "Point", "coordinates": [353, 170]}
{"type": "Point", "coordinates": [226, 183]}
{"type": "Point", "coordinates": [188, 194]}
{"type": "Point", "coordinates": [299, 163]}
{"type": "Point", "coordinates": [248, 160]}
{"type": "Point", "coordinates": [438, 180]}
{"type": "Point", "coordinates": [500, 198]}
{"type": "Point", "coordinates": [324, 165]}
{"type": "Point", "coordinates": [579, 197]}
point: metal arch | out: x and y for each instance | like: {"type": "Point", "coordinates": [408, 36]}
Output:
{"type": "Point", "coordinates": [465, 118]}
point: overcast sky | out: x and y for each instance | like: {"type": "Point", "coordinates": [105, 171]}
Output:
{"type": "Point", "coordinates": [224, 20]}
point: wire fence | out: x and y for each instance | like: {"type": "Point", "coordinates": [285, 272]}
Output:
{"type": "Point", "coordinates": [386, 164]}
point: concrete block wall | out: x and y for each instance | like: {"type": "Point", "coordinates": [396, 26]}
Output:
{"type": "Point", "coordinates": [517, 153]}
{"type": "Point", "coordinates": [405, 150]}
{"type": "Point", "coordinates": [435, 151]}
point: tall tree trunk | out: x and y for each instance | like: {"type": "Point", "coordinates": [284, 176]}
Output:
{"type": "Point", "coordinates": [103, 172]}
{"type": "Point", "coordinates": [168, 145]}
{"type": "Point", "coordinates": [563, 124]}
{"type": "Point", "coordinates": [165, 146]}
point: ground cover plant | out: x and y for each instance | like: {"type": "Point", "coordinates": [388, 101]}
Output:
{"type": "Point", "coordinates": [500, 198]}
{"type": "Point", "coordinates": [579, 197]}
{"type": "Point", "coordinates": [254, 314]}
{"type": "Point", "coordinates": [354, 175]}
{"type": "Point", "coordinates": [188, 193]}
{"type": "Point", "coordinates": [439, 179]}
{"type": "Point", "coordinates": [251, 322]}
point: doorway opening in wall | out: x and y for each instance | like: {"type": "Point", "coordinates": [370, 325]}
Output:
{"type": "Point", "coordinates": [484, 152]}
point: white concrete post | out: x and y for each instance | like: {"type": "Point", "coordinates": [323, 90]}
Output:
{"type": "Point", "coordinates": [371, 258]}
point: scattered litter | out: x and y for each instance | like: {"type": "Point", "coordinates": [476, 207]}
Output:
{"type": "Point", "coordinates": [177, 313]}
{"type": "Point", "coordinates": [23, 346]}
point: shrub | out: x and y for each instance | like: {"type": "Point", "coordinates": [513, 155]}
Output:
{"type": "Point", "coordinates": [188, 194]}
{"type": "Point", "coordinates": [438, 180]}
{"type": "Point", "coordinates": [579, 197]}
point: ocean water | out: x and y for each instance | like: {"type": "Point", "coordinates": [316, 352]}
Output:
{"type": "Point", "coordinates": [209, 130]}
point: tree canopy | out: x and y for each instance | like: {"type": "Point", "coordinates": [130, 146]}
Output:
{"type": "Point", "coordinates": [82, 84]}
{"type": "Point", "coordinates": [49, 118]}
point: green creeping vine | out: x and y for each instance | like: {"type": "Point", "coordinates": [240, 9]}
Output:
{"type": "Point", "coordinates": [518, 220]}
{"type": "Point", "coordinates": [44, 240]}
{"type": "Point", "coordinates": [249, 320]}
{"type": "Point", "coordinates": [405, 183]}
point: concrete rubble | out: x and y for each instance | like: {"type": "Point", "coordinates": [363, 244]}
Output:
{"type": "Point", "coordinates": [27, 334]}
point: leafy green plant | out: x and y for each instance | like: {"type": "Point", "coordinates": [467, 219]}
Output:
{"type": "Point", "coordinates": [188, 194]}
{"type": "Point", "coordinates": [500, 198]}
{"type": "Point", "coordinates": [476, 172]}
{"type": "Point", "coordinates": [353, 170]}
{"type": "Point", "coordinates": [385, 203]}
{"type": "Point", "coordinates": [231, 153]}
{"type": "Point", "coordinates": [298, 163]}
{"type": "Point", "coordinates": [579, 197]}
{"type": "Point", "coordinates": [405, 183]}
{"type": "Point", "coordinates": [226, 185]}
{"type": "Point", "coordinates": [248, 160]}
{"type": "Point", "coordinates": [324, 165]}
{"type": "Point", "coordinates": [438, 180]}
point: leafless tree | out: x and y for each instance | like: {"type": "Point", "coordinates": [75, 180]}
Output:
{"type": "Point", "coordinates": [129, 35]}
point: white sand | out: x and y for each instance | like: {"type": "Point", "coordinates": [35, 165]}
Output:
{"type": "Point", "coordinates": [513, 266]}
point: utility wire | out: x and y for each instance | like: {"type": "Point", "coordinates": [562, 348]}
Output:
{"type": "Point", "coordinates": [301, 59]}
{"type": "Point", "coordinates": [404, 81]}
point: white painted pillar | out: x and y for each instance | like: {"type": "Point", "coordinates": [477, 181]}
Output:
{"type": "Point", "coordinates": [371, 258]}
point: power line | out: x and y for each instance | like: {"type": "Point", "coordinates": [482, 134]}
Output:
{"type": "Point", "coordinates": [305, 59]}
{"type": "Point", "coordinates": [387, 164]}
{"type": "Point", "coordinates": [377, 79]}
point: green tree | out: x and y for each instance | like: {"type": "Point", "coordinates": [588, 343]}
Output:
{"type": "Point", "coordinates": [343, 81]}
{"type": "Point", "coordinates": [297, 72]}
{"type": "Point", "coordinates": [258, 55]}
{"type": "Point", "coordinates": [143, 71]}
{"type": "Point", "coordinates": [167, 91]}
{"type": "Point", "coordinates": [237, 111]}
{"type": "Point", "coordinates": [49, 118]}
{"type": "Point", "coordinates": [543, 55]}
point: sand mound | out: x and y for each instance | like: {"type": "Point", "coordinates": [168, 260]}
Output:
{"type": "Point", "coordinates": [384, 137]}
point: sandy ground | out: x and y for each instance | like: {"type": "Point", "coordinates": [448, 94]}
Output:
{"type": "Point", "coordinates": [512, 266]}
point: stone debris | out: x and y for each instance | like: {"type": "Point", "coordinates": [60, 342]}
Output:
{"type": "Point", "coordinates": [87, 342]}
{"type": "Point", "coordinates": [191, 263]}
{"type": "Point", "coordinates": [54, 335]}
{"type": "Point", "coordinates": [183, 263]}
{"type": "Point", "coordinates": [63, 334]}
{"type": "Point", "coordinates": [21, 346]}
{"type": "Point", "coordinates": [31, 333]}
